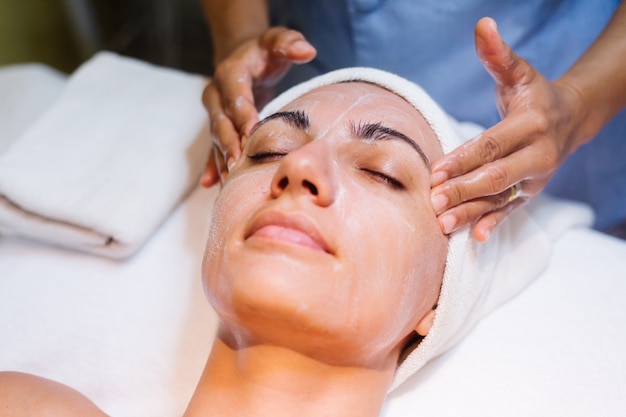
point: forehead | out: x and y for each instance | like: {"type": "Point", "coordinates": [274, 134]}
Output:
{"type": "Point", "coordinates": [334, 104]}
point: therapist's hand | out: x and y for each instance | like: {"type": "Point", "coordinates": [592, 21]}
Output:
{"type": "Point", "coordinates": [473, 183]}
{"type": "Point", "coordinates": [242, 83]}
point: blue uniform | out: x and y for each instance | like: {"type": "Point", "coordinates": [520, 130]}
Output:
{"type": "Point", "coordinates": [431, 42]}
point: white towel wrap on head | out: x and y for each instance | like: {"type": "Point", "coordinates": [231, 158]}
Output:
{"type": "Point", "coordinates": [477, 277]}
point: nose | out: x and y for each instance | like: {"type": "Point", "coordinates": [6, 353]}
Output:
{"type": "Point", "coordinates": [307, 172]}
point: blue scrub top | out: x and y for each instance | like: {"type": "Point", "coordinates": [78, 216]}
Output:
{"type": "Point", "coordinates": [432, 43]}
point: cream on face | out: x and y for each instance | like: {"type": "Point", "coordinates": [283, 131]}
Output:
{"type": "Point", "coordinates": [323, 239]}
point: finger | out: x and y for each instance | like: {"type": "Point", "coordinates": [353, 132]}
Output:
{"type": "Point", "coordinates": [491, 179]}
{"type": "Point", "coordinates": [279, 47]}
{"type": "Point", "coordinates": [510, 73]}
{"type": "Point", "coordinates": [225, 138]}
{"type": "Point", "coordinates": [485, 226]}
{"type": "Point", "coordinates": [221, 169]}
{"type": "Point", "coordinates": [470, 211]}
{"type": "Point", "coordinates": [491, 145]}
{"type": "Point", "coordinates": [211, 175]}
{"type": "Point", "coordinates": [504, 65]}
{"type": "Point", "coordinates": [224, 134]}
{"type": "Point", "coordinates": [221, 165]}
{"type": "Point", "coordinates": [285, 47]}
{"type": "Point", "coordinates": [288, 44]}
{"type": "Point", "coordinates": [233, 81]}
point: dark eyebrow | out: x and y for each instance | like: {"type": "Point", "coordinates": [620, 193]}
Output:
{"type": "Point", "coordinates": [366, 131]}
{"type": "Point", "coordinates": [297, 119]}
{"type": "Point", "coordinates": [376, 132]}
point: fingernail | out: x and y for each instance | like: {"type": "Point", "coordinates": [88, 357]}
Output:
{"type": "Point", "coordinates": [439, 202]}
{"type": "Point", "coordinates": [300, 46]}
{"type": "Point", "coordinates": [448, 222]}
{"type": "Point", "coordinates": [438, 177]}
{"type": "Point", "coordinates": [230, 163]}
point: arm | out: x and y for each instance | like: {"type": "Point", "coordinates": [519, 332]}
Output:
{"type": "Point", "coordinates": [598, 78]}
{"type": "Point", "coordinates": [543, 123]}
{"type": "Point", "coordinates": [250, 58]}
{"type": "Point", "coordinates": [28, 395]}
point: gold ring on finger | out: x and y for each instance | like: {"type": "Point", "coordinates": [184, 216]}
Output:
{"type": "Point", "coordinates": [515, 191]}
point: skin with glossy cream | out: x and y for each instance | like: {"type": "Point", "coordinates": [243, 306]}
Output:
{"type": "Point", "coordinates": [324, 257]}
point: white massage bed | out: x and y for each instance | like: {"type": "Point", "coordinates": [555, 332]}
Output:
{"type": "Point", "coordinates": [133, 334]}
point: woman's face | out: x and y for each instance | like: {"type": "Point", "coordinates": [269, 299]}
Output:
{"type": "Point", "coordinates": [323, 239]}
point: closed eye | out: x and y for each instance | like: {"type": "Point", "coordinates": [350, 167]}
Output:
{"type": "Point", "coordinates": [386, 179]}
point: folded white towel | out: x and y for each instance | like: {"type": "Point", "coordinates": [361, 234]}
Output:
{"type": "Point", "coordinates": [26, 91]}
{"type": "Point", "coordinates": [477, 277]}
{"type": "Point", "coordinates": [109, 160]}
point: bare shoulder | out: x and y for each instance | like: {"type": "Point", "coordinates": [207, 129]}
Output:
{"type": "Point", "coordinates": [25, 395]}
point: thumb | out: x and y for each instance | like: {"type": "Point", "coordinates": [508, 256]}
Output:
{"type": "Point", "coordinates": [505, 66]}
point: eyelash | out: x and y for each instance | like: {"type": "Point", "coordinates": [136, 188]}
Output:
{"type": "Point", "coordinates": [266, 156]}
{"type": "Point", "coordinates": [392, 182]}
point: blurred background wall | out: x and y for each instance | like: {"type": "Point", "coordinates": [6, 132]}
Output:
{"type": "Point", "coordinates": [64, 33]}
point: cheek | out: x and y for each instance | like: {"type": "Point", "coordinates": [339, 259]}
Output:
{"type": "Point", "coordinates": [393, 233]}
{"type": "Point", "coordinates": [402, 253]}
{"type": "Point", "coordinates": [237, 201]}
{"type": "Point", "coordinates": [426, 258]}
{"type": "Point", "coordinates": [241, 194]}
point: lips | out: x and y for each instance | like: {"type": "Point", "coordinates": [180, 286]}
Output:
{"type": "Point", "coordinates": [293, 229]}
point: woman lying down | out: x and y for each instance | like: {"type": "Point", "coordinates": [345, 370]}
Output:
{"type": "Point", "coordinates": [325, 261]}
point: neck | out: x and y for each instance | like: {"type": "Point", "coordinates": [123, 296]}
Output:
{"type": "Point", "coordinates": [264, 380]}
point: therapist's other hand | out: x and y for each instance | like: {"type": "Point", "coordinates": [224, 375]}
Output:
{"type": "Point", "coordinates": [473, 184]}
{"type": "Point", "coordinates": [242, 83]}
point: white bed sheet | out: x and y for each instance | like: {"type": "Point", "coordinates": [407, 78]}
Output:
{"type": "Point", "coordinates": [134, 335]}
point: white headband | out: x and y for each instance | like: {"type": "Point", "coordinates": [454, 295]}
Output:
{"type": "Point", "coordinates": [438, 120]}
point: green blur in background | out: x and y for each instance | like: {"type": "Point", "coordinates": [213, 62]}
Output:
{"type": "Point", "coordinates": [36, 31]}
{"type": "Point", "coordinates": [64, 33]}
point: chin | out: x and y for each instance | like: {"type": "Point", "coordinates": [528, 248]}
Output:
{"type": "Point", "coordinates": [283, 308]}
{"type": "Point", "coordinates": [322, 329]}
{"type": "Point", "coordinates": [289, 300]}
{"type": "Point", "coordinates": [275, 291]}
